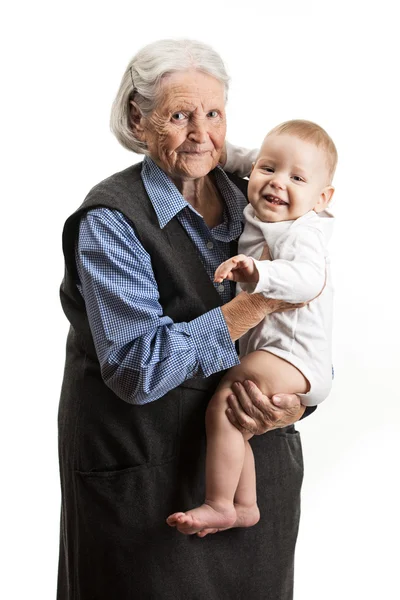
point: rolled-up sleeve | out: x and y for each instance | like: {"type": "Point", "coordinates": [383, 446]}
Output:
{"type": "Point", "coordinates": [142, 353]}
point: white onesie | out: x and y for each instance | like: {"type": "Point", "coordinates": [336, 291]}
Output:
{"type": "Point", "coordinates": [295, 274]}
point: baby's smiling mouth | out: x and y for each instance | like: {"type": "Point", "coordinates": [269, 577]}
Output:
{"type": "Point", "coordinates": [275, 200]}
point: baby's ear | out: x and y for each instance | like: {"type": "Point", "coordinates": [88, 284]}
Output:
{"type": "Point", "coordinates": [324, 198]}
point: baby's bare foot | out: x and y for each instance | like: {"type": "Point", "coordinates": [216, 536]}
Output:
{"type": "Point", "coordinates": [246, 516]}
{"type": "Point", "coordinates": [207, 516]}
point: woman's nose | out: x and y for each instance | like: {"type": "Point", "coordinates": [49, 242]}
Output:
{"type": "Point", "coordinates": [198, 132]}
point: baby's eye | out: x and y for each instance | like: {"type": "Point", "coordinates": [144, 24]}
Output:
{"type": "Point", "coordinates": [297, 178]}
{"type": "Point", "coordinates": [267, 169]}
{"type": "Point", "coordinates": [213, 114]}
{"type": "Point", "coordinates": [178, 116]}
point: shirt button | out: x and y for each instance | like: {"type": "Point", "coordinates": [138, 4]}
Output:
{"type": "Point", "coordinates": [220, 288]}
{"type": "Point", "coordinates": [210, 245]}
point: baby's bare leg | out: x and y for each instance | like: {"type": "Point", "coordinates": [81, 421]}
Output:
{"type": "Point", "coordinates": [230, 474]}
{"type": "Point", "coordinates": [224, 463]}
{"type": "Point", "coordinates": [245, 499]}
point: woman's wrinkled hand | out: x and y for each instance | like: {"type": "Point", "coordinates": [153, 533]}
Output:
{"type": "Point", "coordinates": [251, 411]}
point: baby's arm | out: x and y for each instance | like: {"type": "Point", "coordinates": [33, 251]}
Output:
{"type": "Point", "coordinates": [239, 160]}
{"type": "Point", "coordinates": [297, 273]}
{"type": "Point", "coordinates": [237, 268]}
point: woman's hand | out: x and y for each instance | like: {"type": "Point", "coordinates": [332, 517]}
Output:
{"type": "Point", "coordinates": [250, 411]}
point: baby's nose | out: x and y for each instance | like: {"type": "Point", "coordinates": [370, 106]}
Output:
{"type": "Point", "coordinates": [278, 181]}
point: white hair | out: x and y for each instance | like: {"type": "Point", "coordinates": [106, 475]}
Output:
{"type": "Point", "coordinates": [142, 79]}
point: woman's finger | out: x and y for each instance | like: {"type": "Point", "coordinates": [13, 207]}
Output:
{"type": "Point", "coordinates": [266, 416]}
{"type": "Point", "coordinates": [245, 422]}
{"type": "Point", "coordinates": [273, 413]}
{"type": "Point", "coordinates": [259, 400]}
{"type": "Point", "coordinates": [290, 408]}
{"type": "Point", "coordinates": [286, 401]}
{"type": "Point", "coordinates": [231, 417]}
{"type": "Point", "coordinates": [246, 400]}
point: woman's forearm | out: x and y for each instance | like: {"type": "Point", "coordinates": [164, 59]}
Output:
{"type": "Point", "coordinates": [143, 354]}
{"type": "Point", "coordinates": [246, 311]}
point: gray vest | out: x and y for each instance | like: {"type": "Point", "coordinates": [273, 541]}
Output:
{"type": "Point", "coordinates": [186, 291]}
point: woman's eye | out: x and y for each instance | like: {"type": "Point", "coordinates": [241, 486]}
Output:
{"type": "Point", "coordinates": [213, 114]}
{"type": "Point", "coordinates": [178, 116]}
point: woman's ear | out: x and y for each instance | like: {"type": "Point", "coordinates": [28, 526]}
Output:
{"type": "Point", "coordinates": [324, 198]}
{"type": "Point", "coordinates": [137, 121]}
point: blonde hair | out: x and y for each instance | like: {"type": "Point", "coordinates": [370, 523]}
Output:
{"type": "Point", "coordinates": [311, 132]}
{"type": "Point", "coordinates": [143, 76]}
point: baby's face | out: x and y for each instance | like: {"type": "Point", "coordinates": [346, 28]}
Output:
{"type": "Point", "coordinates": [288, 180]}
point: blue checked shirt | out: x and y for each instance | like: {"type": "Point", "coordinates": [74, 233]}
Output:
{"type": "Point", "coordinates": [142, 353]}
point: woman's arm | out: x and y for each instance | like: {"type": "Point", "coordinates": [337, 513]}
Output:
{"type": "Point", "coordinates": [246, 311]}
{"type": "Point", "coordinates": [144, 354]}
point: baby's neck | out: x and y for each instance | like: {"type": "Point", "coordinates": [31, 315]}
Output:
{"type": "Point", "coordinates": [263, 220]}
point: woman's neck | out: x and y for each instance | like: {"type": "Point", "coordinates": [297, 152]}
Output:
{"type": "Point", "coordinates": [203, 195]}
{"type": "Point", "coordinates": [193, 190]}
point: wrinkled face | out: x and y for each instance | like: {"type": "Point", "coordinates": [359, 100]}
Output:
{"type": "Point", "coordinates": [289, 178]}
{"type": "Point", "coordinates": [185, 133]}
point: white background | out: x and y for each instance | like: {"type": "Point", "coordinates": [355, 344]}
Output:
{"type": "Point", "coordinates": [336, 64]}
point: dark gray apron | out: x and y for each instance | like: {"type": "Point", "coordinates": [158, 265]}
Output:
{"type": "Point", "coordinates": [125, 468]}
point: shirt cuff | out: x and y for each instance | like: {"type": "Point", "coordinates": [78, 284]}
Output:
{"type": "Point", "coordinates": [214, 348]}
{"type": "Point", "coordinates": [263, 285]}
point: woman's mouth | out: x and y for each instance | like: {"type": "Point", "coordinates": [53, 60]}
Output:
{"type": "Point", "coordinates": [195, 152]}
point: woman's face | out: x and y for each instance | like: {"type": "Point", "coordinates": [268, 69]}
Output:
{"type": "Point", "coordinates": [185, 133]}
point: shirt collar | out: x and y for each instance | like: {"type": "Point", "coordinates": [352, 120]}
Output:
{"type": "Point", "coordinates": [167, 201]}
{"type": "Point", "coordinates": [235, 203]}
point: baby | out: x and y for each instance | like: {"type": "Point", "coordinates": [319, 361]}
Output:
{"type": "Point", "coordinates": [289, 352]}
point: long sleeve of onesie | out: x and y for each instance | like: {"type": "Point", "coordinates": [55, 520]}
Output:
{"type": "Point", "coordinates": [298, 272]}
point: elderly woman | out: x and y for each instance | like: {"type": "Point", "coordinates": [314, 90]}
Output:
{"type": "Point", "coordinates": [150, 337]}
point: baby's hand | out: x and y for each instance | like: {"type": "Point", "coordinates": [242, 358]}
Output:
{"type": "Point", "coordinates": [238, 268]}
